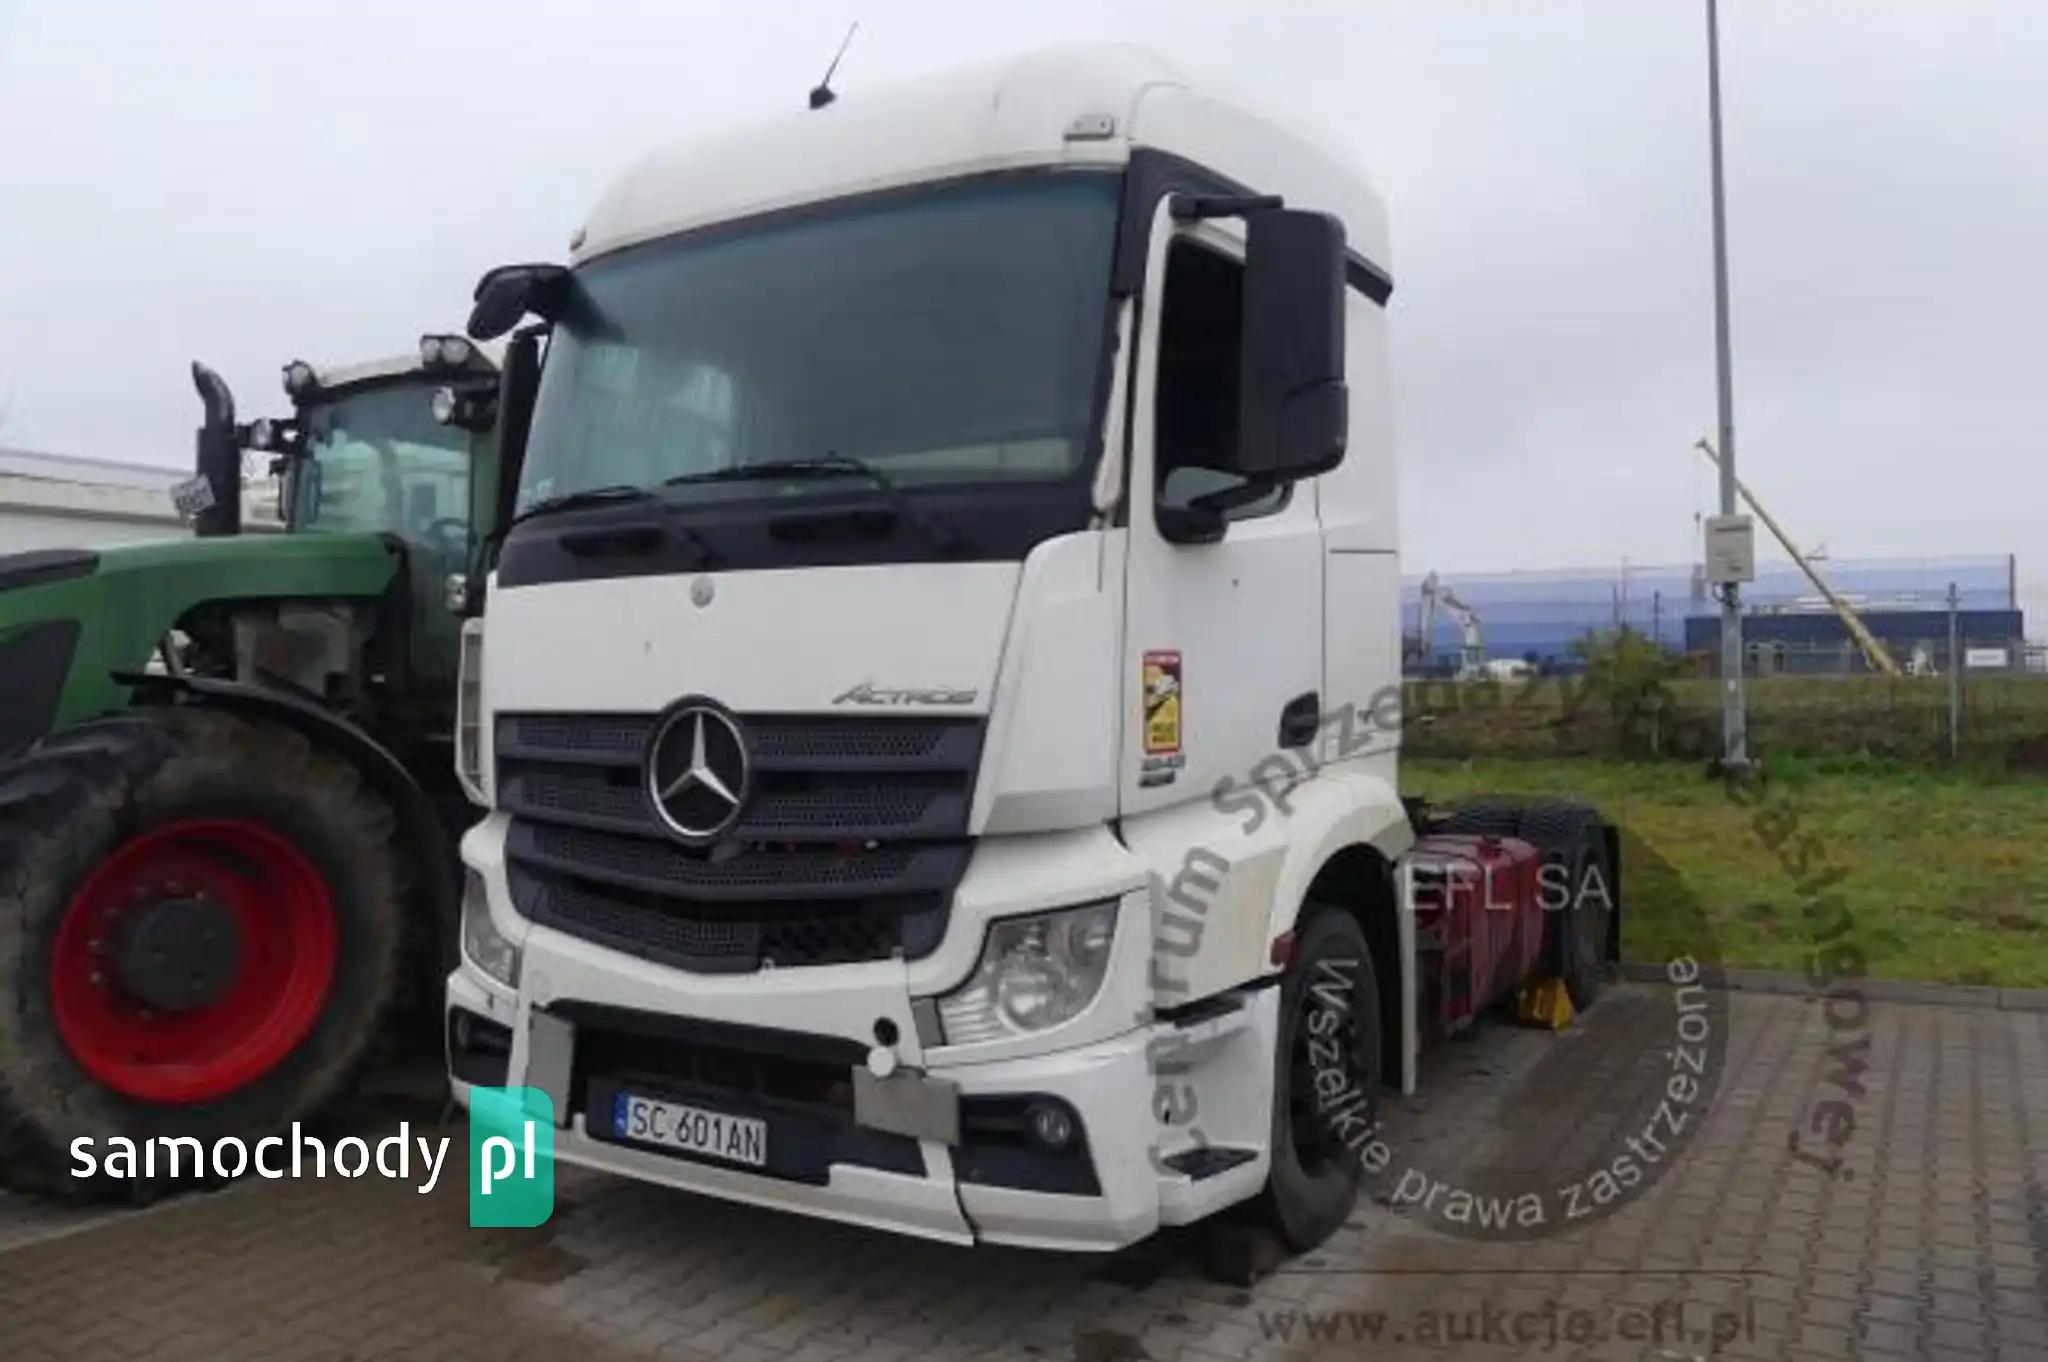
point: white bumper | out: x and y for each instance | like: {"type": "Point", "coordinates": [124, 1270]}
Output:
{"type": "Point", "coordinates": [1096, 1065]}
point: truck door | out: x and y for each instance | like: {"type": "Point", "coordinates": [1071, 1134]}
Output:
{"type": "Point", "coordinates": [1223, 646]}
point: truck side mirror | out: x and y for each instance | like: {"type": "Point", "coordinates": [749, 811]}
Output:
{"type": "Point", "coordinates": [1294, 409]}
{"type": "Point", "coordinates": [509, 292]}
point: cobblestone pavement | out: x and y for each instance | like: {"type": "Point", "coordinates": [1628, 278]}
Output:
{"type": "Point", "coordinates": [1929, 1240]}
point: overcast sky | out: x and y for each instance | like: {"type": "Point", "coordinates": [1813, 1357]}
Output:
{"type": "Point", "coordinates": [247, 182]}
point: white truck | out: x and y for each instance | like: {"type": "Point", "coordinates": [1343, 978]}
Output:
{"type": "Point", "coordinates": [937, 700]}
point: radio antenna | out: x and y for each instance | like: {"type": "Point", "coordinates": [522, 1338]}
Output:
{"type": "Point", "coordinates": [822, 94]}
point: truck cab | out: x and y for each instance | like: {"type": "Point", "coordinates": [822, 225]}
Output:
{"type": "Point", "coordinates": [936, 695]}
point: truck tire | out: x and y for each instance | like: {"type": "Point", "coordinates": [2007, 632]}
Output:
{"type": "Point", "coordinates": [1572, 836]}
{"type": "Point", "coordinates": [1326, 1079]}
{"type": "Point", "coordinates": [200, 926]}
{"type": "Point", "coordinates": [1483, 818]}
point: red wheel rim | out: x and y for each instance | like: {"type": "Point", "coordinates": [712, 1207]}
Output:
{"type": "Point", "coordinates": [283, 914]}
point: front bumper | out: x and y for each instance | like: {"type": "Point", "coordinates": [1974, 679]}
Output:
{"type": "Point", "coordinates": [805, 1031]}
{"type": "Point", "coordinates": [929, 1193]}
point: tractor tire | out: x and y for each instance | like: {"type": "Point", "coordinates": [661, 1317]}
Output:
{"type": "Point", "coordinates": [201, 925]}
{"type": "Point", "coordinates": [1571, 836]}
{"type": "Point", "coordinates": [1326, 1080]}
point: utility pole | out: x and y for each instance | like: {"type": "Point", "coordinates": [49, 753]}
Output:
{"type": "Point", "coordinates": [1734, 723]}
{"type": "Point", "coordinates": [1955, 677]}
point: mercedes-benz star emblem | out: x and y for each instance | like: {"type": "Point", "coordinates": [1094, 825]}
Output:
{"type": "Point", "coordinates": [698, 772]}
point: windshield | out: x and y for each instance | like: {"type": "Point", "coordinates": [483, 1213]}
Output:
{"type": "Point", "coordinates": [377, 461]}
{"type": "Point", "coordinates": [949, 337]}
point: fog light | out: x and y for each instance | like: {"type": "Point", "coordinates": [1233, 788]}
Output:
{"type": "Point", "coordinates": [1052, 1125]}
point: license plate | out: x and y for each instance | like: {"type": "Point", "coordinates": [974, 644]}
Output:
{"type": "Point", "coordinates": [694, 1130]}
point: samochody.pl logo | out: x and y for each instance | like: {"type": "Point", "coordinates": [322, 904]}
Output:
{"type": "Point", "coordinates": [511, 1157]}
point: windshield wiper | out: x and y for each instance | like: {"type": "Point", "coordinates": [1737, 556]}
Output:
{"type": "Point", "coordinates": [589, 496]}
{"type": "Point", "coordinates": [943, 535]}
{"type": "Point", "coordinates": [623, 536]}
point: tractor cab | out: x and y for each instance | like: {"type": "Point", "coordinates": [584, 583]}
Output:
{"type": "Point", "coordinates": [398, 448]}
{"type": "Point", "coordinates": [385, 447]}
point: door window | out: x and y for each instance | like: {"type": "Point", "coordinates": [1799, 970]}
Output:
{"type": "Point", "coordinates": [1201, 325]}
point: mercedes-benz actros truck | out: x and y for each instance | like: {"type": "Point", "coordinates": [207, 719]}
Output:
{"type": "Point", "coordinates": [937, 699]}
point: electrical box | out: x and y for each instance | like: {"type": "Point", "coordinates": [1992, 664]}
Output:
{"type": "Point", "coordinates": [1731, 549]}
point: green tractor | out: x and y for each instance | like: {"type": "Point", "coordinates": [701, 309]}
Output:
{"type": "Point", "coordinates": [228, 803]}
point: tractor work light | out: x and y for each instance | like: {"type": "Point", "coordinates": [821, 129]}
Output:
{"type": "Point", "coordinates": [472, 410]}
{"type": "Point", "coordinates": [445, 352]}
{"type": "Point", "coordinates": [299, 378]}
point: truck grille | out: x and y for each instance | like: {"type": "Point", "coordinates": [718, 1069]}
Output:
{"type": "Point", "coordinates": [849, 847]}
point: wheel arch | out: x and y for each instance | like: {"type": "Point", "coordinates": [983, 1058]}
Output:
{"type": "Point", "coordinates": [1360, 880]}
{"type": "Point", "coordinates": [1353, 865]}
{"type": "Point", "coordinates": [421, 829]}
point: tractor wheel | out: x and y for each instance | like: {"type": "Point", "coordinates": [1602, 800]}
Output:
{"type": "Point", "coordinates": [200, 932]}
{"type": "Point", "coordinates": [1326, 1080]}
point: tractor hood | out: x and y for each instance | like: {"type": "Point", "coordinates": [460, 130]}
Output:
{"type": "Point", "coordinates": [71, 619]}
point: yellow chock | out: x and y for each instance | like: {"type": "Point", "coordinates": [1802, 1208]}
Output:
{"type": "Point", "coordinates": [1545, 1002]}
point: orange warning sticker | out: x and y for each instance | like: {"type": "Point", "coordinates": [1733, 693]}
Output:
{"type": "Point", "coordinates": [1162, 702]}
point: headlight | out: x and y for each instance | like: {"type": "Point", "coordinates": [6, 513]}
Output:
{"type": "Point", "coordinates": [298, 377]}
{"type": "Point", "coordinates": [486, 947]}
{"type": "Point", "coordinates": [1035, 972]}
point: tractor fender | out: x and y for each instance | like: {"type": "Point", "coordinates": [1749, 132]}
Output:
{"type": "Point", "coordinates": [421, 829]}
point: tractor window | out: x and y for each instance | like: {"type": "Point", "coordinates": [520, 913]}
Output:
{"type": "Point", "coordinates": [377, 462]}
{"type": "Point", "coordinates": [1200, 329]}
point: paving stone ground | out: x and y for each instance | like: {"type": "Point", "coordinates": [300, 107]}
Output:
{"type": "Point", "coordinates": [1930, 1240]}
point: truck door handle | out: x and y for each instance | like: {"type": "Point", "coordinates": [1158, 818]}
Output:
{"type": "Point", "coordinates": [1299, 720]}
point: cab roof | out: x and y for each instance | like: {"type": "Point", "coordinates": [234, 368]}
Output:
{"type": "Point", "coordinates": [485, 357]}
{"type": "Point", "coordinates": [1067, 106]}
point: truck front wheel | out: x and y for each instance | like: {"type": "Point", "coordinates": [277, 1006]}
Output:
{"type": "Point", "coordinates": [1326, 1081]}
{"type": "Point", "coordinates": [200, 922]}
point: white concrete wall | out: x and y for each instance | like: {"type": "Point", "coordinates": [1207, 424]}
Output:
{"type": "Point", "coordinates": [46, 513]}
{"type": "Point", "coordinates": [47, 503]}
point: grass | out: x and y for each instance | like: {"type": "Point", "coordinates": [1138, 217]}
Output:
{"type": "Point", "coordinates": [1930, 875]}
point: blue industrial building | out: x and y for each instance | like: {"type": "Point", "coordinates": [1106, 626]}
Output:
{"type": "Point", "coordinates": [1538, 615]}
